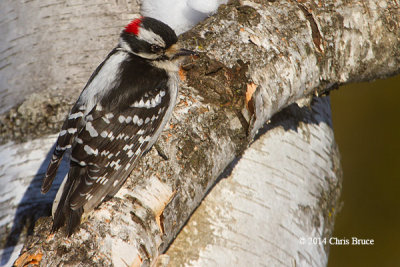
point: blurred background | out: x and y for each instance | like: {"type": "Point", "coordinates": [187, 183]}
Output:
{"type": "Point", "coordinates": [366, 121]}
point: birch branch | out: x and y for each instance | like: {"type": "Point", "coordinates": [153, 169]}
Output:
{"type": "Point", "coordinates": [277, 53]}
{"type": "Point", "coordinates": [277, 204]}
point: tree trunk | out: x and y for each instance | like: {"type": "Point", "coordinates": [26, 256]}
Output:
{"type": "Point", "coordinates": [260, 58]}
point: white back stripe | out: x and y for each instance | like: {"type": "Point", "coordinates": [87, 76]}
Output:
{"type": "Point", "coordinates": [105, 79]}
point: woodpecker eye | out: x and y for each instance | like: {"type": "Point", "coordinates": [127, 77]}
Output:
{"type": "Point", "coordinates": [156, 48]}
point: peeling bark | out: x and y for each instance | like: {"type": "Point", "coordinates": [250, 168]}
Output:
{"type": "Point", "coordinates": [289, 50]}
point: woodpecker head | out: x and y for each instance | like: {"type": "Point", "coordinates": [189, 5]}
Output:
{"type": "Point", "coordinates": [151, 39]}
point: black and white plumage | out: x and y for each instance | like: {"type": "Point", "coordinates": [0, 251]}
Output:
{"type": "Point", "coordinates": [119, 115]}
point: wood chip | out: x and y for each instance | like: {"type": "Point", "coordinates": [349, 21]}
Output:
{"type": "Point", "coordinates": [251, 88]}
{"type": "Point", "coordinates": [28, 259]}
{"type": "Point", "coordinates": [182, 74]}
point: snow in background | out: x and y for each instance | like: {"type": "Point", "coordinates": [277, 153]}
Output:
{"type": "Point", "coordinates": [180, 15]}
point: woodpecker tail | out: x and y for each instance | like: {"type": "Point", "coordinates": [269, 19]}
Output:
{"type": "Point", "coordinates": [64, 214]}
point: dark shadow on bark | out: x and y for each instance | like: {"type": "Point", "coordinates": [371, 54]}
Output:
{"type": "Point", "coordinates": [290, 117]}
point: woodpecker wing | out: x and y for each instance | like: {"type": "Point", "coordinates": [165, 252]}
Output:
{"type": "Point", "coordinates": [109, 145]}
{"type": "Point", "coordinates": [112, 137]}
{"type": "Point", "coordinates": [72, 125]}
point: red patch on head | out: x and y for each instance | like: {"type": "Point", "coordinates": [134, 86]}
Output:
{"type": "Point", "coordinates": [133, 27]}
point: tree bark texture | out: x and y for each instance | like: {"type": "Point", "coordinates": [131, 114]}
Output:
{"type": "Point", "coordinates": [259, 57]}
{"type": "Point", "coordinates": [281, 196]}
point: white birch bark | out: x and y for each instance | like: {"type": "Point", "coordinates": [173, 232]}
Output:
{"type": "Point", "coordinates": [284, 50]}
{"type": "Point", "coordinates": [279, 199]}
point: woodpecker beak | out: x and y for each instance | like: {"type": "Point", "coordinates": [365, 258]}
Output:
{"type": "Point", "coordinates": [175, 52]}
{"type": "Point", "coordinates": [185, 52]}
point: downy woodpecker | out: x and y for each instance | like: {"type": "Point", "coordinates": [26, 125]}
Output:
{"type": "Point", "coordinates": [117, 118]}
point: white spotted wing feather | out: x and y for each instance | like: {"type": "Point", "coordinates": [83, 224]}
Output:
{"type": "Point", "coordinates": [112, 144]}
